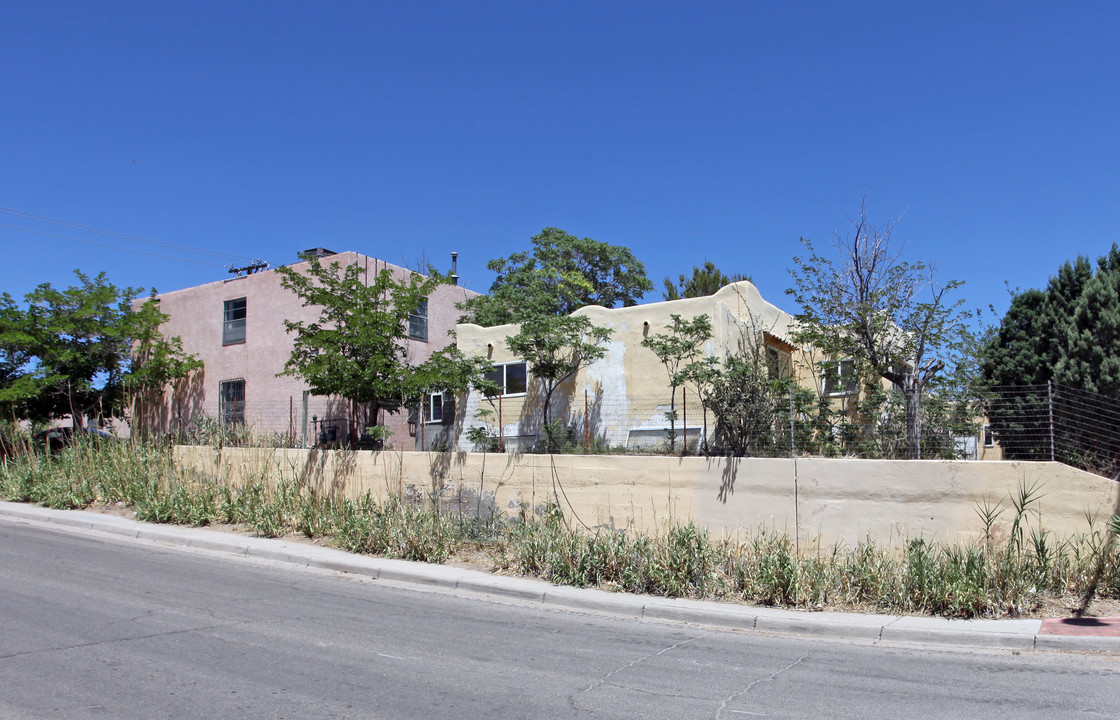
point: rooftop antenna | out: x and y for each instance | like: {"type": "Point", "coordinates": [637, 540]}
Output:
{"type": "Point", "coordinates": [454, 268]}
{"type": "Point", "coordinates": [254, 266]}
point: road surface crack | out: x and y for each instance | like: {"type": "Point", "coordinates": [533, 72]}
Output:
{"type": "Point", "coordinates": [110, 641]}
{"type": "Point", "coordinates": [723, 706]}
{"type": "Point", "coordinates": [605, 678]}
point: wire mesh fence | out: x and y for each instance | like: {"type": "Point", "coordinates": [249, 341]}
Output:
{"type": "Point", "coordinates": [1032, 422]}
{"type": "Point", "coordinates": [1039, 422]}
{"type": "Point", "coordinates": [1056, 422]}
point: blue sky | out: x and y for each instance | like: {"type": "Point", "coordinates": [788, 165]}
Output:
{"type": "Point", "coordinates": [686, 131]}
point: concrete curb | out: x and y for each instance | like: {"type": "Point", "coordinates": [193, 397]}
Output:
{"type": "Point", "coordinates": [992, 634]}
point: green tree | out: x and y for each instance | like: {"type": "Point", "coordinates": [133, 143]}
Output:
{"type": "Point", "coordinates": [356, 350]}
{"type": "Point", "coordinates": [555, 348]}
{"type": "Point", "coordinates": [886, 314]}
{"type": "Point", "coordinates": [561, 274]}
{"type": "Point", "coordinates": [1068, 333]}
{"type": "Point", "coordinates": [71, 352]}
{"type": "Point", "coordinates": [706, 280]}
{"type": "Point", "coordinates": [746, 402]}
{"type": "Point", "coordinates": [677, 349]}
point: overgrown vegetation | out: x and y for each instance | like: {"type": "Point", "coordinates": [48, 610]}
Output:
{"type": "Point", "coordinates": [1013, 574]}
{"type": "Point", "coordinates": [888, 317]}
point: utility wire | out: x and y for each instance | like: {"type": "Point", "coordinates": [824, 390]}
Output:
{"type": "Point", "coordinates": [115, 247]}
{"type": "Point", "coordinates": [121, 236]}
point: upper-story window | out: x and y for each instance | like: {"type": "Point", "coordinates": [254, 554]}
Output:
{"type": "Point", "coordinates": [511, 378]}
{"type": "Point", "coordinates": [418, 322]}
{"type": "Point", "coordinates": [233, 322]}
{"type": "Point", "coordinates": [839, 378]}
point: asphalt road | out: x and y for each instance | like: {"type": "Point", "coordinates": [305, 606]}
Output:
{"type": "Point", "coordinates": [96, 628]}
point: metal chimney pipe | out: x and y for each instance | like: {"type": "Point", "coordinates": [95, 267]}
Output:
{"type": "Point", "coordinates": [454, 268]}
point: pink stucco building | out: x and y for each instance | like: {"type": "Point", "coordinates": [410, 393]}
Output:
{"type": "Point", "coordinates": [236, 328]}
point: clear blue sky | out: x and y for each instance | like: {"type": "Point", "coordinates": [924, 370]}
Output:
{"type": "Point", "coordinates": [686, 131]}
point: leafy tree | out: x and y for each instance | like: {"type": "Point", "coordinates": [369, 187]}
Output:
{"type": "Point", "coordinates": [1068, 333]}
{"type": "Point", "coordinates": [561, 274]}
{"type": "Point", "coordinates": [706, 280]}
{"type": "Point", "coordinates": [746, 402]}
{"type": "Point", "coordinates": [14, 349]}
{"type": "Point", "coordinates": [70, 352]}
{"type": "Point", "coordinates": [555, 348]}
{"type": "Point", "coordinates": [1091, 357]}
{"type": "Point", "coordinates": [356, 349]}
{"type": "Point", "coordinates": [677, 349]}
{"type": "Point", "coordinates": [886, 314]}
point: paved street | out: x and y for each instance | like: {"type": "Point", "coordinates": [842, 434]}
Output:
{"type": "Point", "coordinates": [96, 628]}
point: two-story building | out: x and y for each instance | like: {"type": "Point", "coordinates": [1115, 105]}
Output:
{"type": "Point", "coordinates": [236, 327]}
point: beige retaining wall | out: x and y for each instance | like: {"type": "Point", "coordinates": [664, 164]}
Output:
{"type": "Point", "coordinates": [830, 500]}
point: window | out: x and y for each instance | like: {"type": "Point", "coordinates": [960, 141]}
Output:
{"type": "Point", "coordinates": [233, 322]}
{"type": "Point", "coordinates": [839, 378]}
{"type": "Point", "coordinates": [231, 402]}
{"type": "Point", "coordinates": [433, 408]}
{"type": "Point", "coordinates": [511, 378]}
{"type": "Point", "coordinates": [902, 371]}
{"type": "Point", "coordinates": [418, 322]}
{"type": "Point", "coordinates": [439, 408]}
{"type": "Point", "coordinates": [989, 437]}
{"type": "Point", "coordinates": [777, 363]}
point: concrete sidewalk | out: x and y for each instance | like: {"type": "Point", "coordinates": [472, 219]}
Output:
{"type": "Point", "coordinates": [1089, 634]}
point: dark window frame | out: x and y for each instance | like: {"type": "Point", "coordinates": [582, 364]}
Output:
{"type": "Point", "coordinates": [418, 322]}
{"type": "Point", "coordinates": [231, 401]}
{"type": "Point", "coordinates": [234, 313]}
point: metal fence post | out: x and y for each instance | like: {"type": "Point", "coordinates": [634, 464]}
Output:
{"type": "Point", "coordinates": [1050, 402]}
{"type": "Point", "coordinates": [684, 421]}
{"type": "Point", "coordinates": [792, 430]}
{"type": "Point", "coordinates": [586, 424]}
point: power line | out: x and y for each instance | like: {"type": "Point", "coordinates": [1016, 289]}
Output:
{"type": "Point", "coordinates": [115, 247]}
{"type": "Point", "coordinates": [120, 235]}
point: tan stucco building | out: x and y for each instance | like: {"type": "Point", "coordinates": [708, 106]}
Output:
{"type": "Point", "coordinates": [627, 392]}
{"type": "Point", "coordinates": [621, 401]}
{"type": "Point", "coordinates": [236, 327]}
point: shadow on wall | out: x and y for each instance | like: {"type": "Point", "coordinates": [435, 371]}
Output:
{"type": "Point", "coordinates": [343, 465]}
{"type": "Point", "coordinates": [178, 407]}
{"type": "Point", "coordinates": [728, 477]}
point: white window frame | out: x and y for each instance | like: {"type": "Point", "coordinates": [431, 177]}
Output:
{"type": "Point", "coordinates": [988, 436]}
{"type": "Point", "coordinates": [504, 381]}
{"type": "Point", "coordinates": [843, 389]}
{"type": "Point", "coordinates": [431, 402]}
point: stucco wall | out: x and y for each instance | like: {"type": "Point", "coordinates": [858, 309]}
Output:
{"type": "Point", "coordinates": [629, 388]}
{"type": "Point", "coordinates": [272, 402]}
{"type": "Point", "coordinates": [826, 500]}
